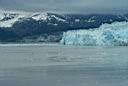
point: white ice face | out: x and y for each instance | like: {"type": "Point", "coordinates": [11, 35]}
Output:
{"type": "Point", "coordinates": [107, 34]}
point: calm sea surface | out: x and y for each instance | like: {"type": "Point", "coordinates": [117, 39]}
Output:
{"type": "Point", "coordinates": [59, 65]}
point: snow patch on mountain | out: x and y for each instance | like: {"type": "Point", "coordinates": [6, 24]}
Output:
{"type": "Point", "coordinates": [8, 19]}
{"type": "Point", "coordinates": [40, 16]}
{"type": "Point", "coordinates": [91, 20]}
{"type": "Point", "coordinates": [57, 18]}
{"type": "Point", "coordinates": [1, 16]}
{"type": "Point", "coordinates": [77, 20]}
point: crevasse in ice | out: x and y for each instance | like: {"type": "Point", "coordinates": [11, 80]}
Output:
{"type": "Point", "coordinates": [115, 34]}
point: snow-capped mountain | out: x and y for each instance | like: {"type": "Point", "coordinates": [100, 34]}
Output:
{"type": "Point", "coordinates": [9, 19]}
{"type": "Point", "coordinates": [21, 25]}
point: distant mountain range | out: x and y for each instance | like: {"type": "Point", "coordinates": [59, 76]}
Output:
{"type": "Point", "coordinates": [48, 27]}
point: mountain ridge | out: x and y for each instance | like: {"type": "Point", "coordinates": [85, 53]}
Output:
{"type": "Point", "coordinates": [15, 26]}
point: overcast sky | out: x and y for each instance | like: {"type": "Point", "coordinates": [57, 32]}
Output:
{"type": "Point", "coordinates": [67, 6]}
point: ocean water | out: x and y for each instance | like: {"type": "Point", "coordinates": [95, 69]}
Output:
{"type": "Point", "coordinates": [63, 65]}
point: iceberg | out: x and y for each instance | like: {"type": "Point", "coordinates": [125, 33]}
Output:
{"type": "Point", "coordinates": [115, 34]}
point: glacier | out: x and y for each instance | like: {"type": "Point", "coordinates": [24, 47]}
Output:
{"type": "Point", "coordinates": [115, 34]}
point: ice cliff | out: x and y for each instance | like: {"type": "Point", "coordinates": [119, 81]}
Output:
{"type": "Point", "coordinates": [115, 34]}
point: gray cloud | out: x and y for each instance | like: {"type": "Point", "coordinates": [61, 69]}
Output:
{"type": "Point", "coordinates": [67, 6]}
